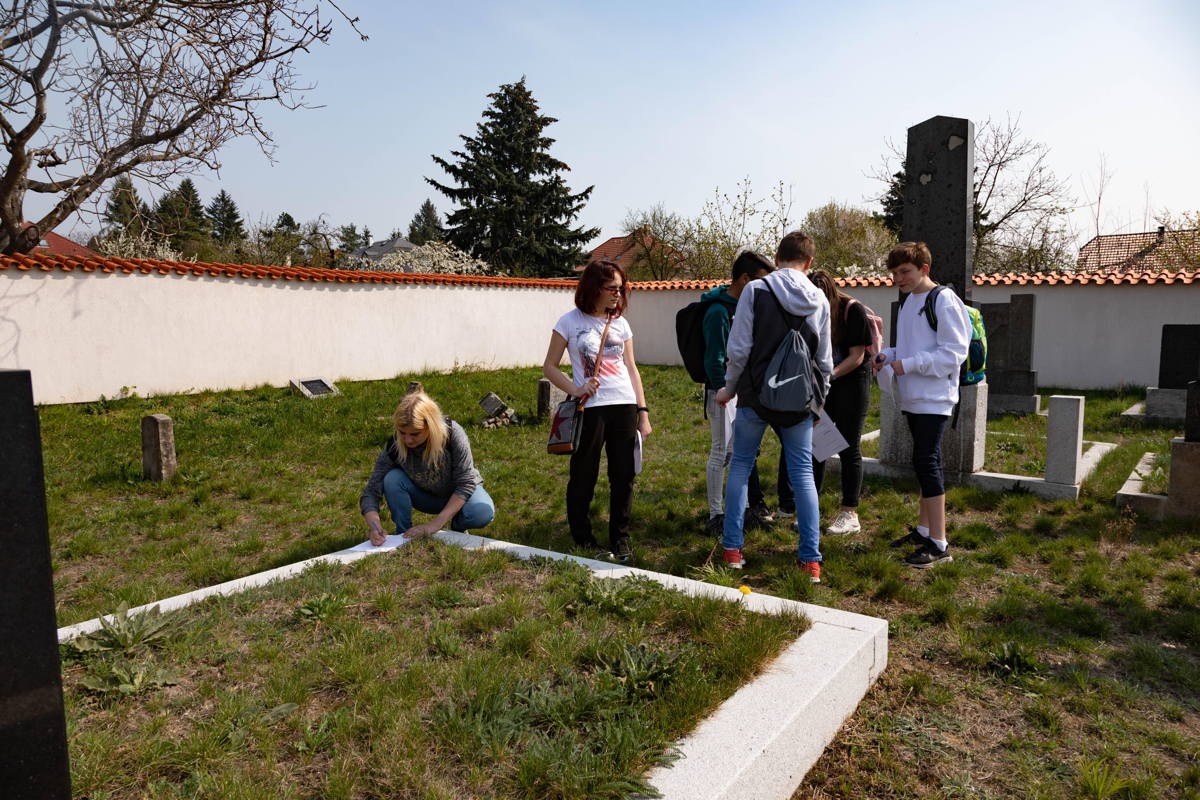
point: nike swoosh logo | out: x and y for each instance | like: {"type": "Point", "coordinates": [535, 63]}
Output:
{"type": "Point", "coordinates": [775, 384]}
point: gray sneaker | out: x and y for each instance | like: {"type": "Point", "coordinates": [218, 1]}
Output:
{"type": "Point", "coordinates": [844, 522]}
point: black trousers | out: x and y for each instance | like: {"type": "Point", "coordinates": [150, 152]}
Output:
{"type": "Point", "coordinates": [613, 428]}
{"type": "Point", "coordinates": [927, 432]}
{"type": "Point", "coordinates": [846, 405]}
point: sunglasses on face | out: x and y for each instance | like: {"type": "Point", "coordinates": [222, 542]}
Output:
{"type": "Point", "coordinates": [613, 289]}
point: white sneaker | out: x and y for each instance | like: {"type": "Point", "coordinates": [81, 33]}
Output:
{"type": "Point", "coordinates": [844, 522]}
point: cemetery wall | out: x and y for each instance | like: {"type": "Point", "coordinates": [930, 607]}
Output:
{"type": "Point", "coordinates": [84, 334]}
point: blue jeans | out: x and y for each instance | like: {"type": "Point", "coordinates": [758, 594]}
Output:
{"type": "Point", "coordinates": [748, 430]}
{"type": "Point", "coordinates": [403, 496]}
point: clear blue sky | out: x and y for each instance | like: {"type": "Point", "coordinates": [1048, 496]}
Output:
{"type": "Point", "coordinates": [663, 101]}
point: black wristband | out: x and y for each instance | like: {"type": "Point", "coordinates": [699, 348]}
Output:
{"type": "Point", "coordinates": [643, 408]}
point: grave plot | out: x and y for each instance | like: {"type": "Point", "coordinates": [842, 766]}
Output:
{"type": "Point", "coordinates": [1169, 484]}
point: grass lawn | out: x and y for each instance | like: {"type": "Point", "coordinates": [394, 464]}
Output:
{"type": "Point", "coordinates": [1058, 656]}
{"type": "Point", "coordinates": [428, 672]}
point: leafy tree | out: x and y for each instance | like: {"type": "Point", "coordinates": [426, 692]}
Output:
{"type": "Point", "coordinates": [180, 217]}
{"type": "Point", "coordinates": [90, 91]}
{"type": "Point", "coordinates": [849, 241]}
{"type": "Point", "coordinates": [426, 225]}
{"type": "Point", "coordinates": [660, 240]}
{"type": "Point", "coordinates": [125, 211]}
{"type": "Point", "coordinates": [514, 206]}
{"type": "Point", "coordinates": [349, 239]}
{"type": "Point", "coordinates": [286, 223]}
{"type": "Point", "coordinates": [226, 222]}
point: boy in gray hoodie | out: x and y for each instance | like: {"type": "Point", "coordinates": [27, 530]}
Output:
{"type": "Point", "coordinates": [758, 328]}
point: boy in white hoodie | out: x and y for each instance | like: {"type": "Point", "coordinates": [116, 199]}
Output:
{"type": "Point", "coordinates": [926, 365]}
{"type": "Point", "coordinates": [758, 328]}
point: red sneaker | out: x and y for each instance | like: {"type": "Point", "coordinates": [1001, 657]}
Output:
{"type": "Point", "coordinates": [811, 568]}
{"type": "Point", "coordinates": [733, 559]}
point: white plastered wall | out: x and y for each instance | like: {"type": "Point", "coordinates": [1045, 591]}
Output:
{"type": "Point", "coordinates": [87, 334]}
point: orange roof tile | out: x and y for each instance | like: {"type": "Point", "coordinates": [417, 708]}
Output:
{"type": "Point", "coordinates": [45, 263]}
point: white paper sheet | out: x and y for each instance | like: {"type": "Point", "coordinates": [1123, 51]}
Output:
{"type": "Point", "coordinates": [393, 541]}
{"type": "Point", "coordinates": [827, 440]}
{"type": "Point", "coordinates": [887, 379]}
{"type": "Point", "coordinates": [730, 413]}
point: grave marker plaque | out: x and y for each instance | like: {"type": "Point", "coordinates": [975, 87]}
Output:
{"type": "Point", "coordinates": [939, 170]}
{"type": "Point", "coordinates": [312, 388]}
{"type": "Point", "coordinates": [33, 735]}
{"type": "Point", "coordinates": [1179, 356]}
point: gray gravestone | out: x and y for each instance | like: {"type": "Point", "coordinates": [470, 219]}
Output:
{"type": "Point", "coordinates": [1064, 440]}
{"type": "Point", "coordinates": [1012, 382]}
{"type": "Point", "coordinates": [938, 197]}
{"type": "Point", "coordinates": [549, 396]}
{"type": "Point", "coordinates": [158, 448]}
{"type": "Point", "coordinates": [1179, 356]}
{"type": "Point", "coordinates": [33, 734]}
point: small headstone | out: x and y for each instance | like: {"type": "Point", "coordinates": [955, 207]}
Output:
{"type": "Point", "coordinates": [1179, 356]}
{"type": "Point", "coordinates": [1064, 440]}
{"type": "Point", "coordinates": [498, 412]}
{"type": "Point", "coordinates": [549, 396]}
{"type": "Point", "coordinates": [1191, 421]}
{"type": "Point", "coordinates": [1012, 382]}
{"type": "Point", "coordinates": [33, 730]}
{"type": "Point", "coordinates": [1183, 487]}
{"type": "Point", "coordinates": [313, 388]}
{"type": "Point", "coordinates": [158, 448]}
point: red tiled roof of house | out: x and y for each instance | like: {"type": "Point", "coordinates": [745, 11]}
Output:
{"type": "Point", "coordinates": [46, 263]}
{"type": "Point", "coordinates": [60, 245]}
{"type": "Point", "coordinates": [616, 249]}
{"type": "Point", "coordinates": [1154, 251]}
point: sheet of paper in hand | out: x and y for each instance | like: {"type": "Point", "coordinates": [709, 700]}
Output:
{"type": "Point", "coordinates": [827, 440]}
{"type": "Point", "coordinates": [393, 541]}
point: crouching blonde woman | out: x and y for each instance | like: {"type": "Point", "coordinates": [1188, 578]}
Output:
{"type": "Point", "coordinates": [426, 465]}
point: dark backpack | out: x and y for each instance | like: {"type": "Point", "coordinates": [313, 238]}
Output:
{"type": "Point", "coordinates": [791, 383]}
{"type": "Point", "coordinates": [974, 369]}
{"type": "Point", "coordinates": [689, 336]}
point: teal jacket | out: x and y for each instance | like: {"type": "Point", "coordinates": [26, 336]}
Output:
{"type": "Point", "coordinates": [717, 321]}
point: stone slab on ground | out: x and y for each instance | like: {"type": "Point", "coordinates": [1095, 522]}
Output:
{"type": "Point", "coordinates": [1131, 495]}
{"type": "Point", "coordinates": [759, 743]}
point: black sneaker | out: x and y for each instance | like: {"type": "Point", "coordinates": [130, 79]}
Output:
{"type": "Point", "coordinates": [928, 555]}
{"type": "Point", "coordinates": [763, 513]}
{"type": "Point", "coordinates": [757, 519]}
{"type": "Point", "coordinates": [622, 551]}
{"type": "Point", "coordinates": [716, 527]}
{"type": "Point", "coordinates": [911, 539]}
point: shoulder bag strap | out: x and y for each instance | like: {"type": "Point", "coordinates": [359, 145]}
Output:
{"type": "Point", "coordinates": [599, 356]}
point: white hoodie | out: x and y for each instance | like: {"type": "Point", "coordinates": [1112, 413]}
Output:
{"type": "Point", "coordinates": [930, 359]}
{"type": "Point", "coordinates": [798, 296]}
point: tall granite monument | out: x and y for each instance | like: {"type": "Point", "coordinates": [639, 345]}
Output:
{"type": "Point", "coordinates": [33, 734]}
{"type": "Point", "coordinates": [938, 210]}
{"type": "Point", "coordinates": [1012, 381]}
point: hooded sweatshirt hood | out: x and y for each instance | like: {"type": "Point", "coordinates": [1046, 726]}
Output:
{"type": "Point", "coordinates": [798, 295]}
{"type": "Point", "coordinates": [720, 294]}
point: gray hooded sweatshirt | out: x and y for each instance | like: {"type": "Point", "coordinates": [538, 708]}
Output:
{"type": "Point", "coordinates": [798, 296]}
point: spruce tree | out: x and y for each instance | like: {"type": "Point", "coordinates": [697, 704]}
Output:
{"type": "Point", "coordinates": [514, 207]}
{"type": "Point", "coordinates": [426, 225]}
{"type": "Point", "coordinates": [125, 211]}
{"type": "Point", "coordinates": [180, 216]}
{"type": "Point", "coordinates": [225, 220]}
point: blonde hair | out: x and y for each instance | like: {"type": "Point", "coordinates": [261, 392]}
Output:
{"type": "Point", "coordinates": [418, 410]}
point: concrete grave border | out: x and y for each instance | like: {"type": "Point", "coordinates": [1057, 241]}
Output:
{"type": "Point", "coordinates": [760, 742]}
{"type": "Point", "coordinates": [1131, 495]}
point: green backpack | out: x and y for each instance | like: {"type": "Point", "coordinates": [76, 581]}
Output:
{"type": "Point", "coordinates": [974, 369]}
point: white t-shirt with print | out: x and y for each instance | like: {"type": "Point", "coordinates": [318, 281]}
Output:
{"type": "Point", "coordinates": [582, 332]}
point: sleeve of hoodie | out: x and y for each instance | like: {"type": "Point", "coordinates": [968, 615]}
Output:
{"type": "Point", "coordinates": [953, 337]}
{"type": "Point", "coordinates": [821, 321]}
{"type": "Point", "coordinates": [716, 333]}
{"type": "Point", "coordinates": [464, 475]}
{"type": "Point", "coordinates": [741, 337]}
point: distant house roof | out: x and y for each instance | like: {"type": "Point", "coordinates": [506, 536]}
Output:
{"type": "Point", "coordinates": [55, 245]}
{"type": "Point", "coordinates": [624, 250]}
{"type": "Point", "coordinates": [377, 250]}
{"type": "Point", "coordinates": [1152, 251]}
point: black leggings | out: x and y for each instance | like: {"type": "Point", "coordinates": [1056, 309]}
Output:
{"type": "Point", "coordinates": [927, 451]}
{"type": "Point", "coordinates": [613, 428]}
{"type": "Point", "coordinates": [846, 405]}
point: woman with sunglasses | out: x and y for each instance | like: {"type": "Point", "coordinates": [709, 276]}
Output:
{"type": "Point", "coordinates": [606, 376]}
